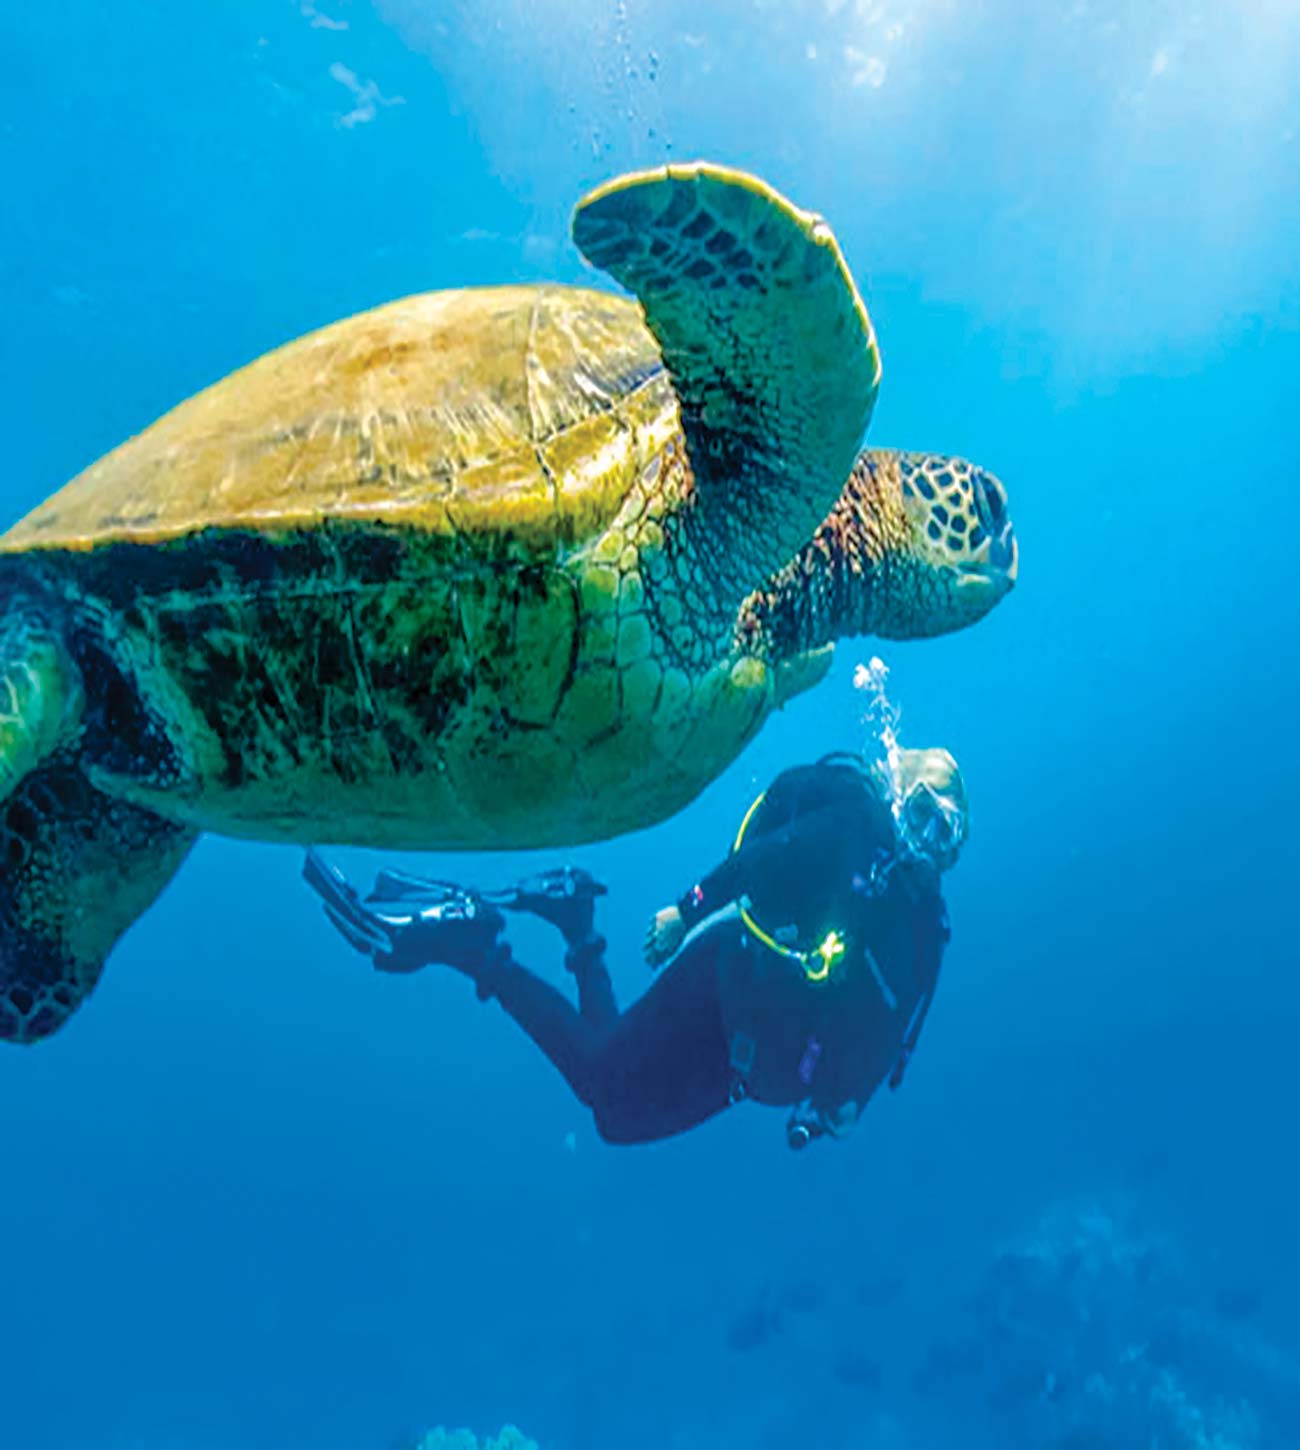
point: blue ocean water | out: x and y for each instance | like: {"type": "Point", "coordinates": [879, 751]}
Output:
{"type": "Point", "coordinates": [254, 1195]}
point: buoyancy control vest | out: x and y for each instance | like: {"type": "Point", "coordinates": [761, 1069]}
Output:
{"type": "Point", "coordinates": [823, 1017]}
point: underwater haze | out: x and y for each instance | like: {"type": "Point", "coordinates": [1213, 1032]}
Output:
{"type": "Point", "coordinates": [255, 1195]}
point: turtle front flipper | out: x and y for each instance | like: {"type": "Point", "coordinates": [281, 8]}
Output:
{"type": "Point", "coordinates": [76, 869]}
{"type": "Point", "coordinates": [768, 344]}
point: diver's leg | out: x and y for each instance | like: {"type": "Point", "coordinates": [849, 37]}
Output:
{"type": "Point", "coordinates": [657, 1069]}
{"type": "Point", "coordinates": [408, 923]}
{"type": "Point", "coordinates": [664, 1066]}
{"type": "Point", "coordinates": [565, 898]}
{"type": "Point", "coordinates": [571, 1042]}
{"type": "Point", "coordinates": [596, 1002]}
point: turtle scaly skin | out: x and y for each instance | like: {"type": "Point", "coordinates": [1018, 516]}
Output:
{"type": "Point", "coordinates": [510, 567]}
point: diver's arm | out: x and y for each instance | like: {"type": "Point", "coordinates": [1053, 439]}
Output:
{"type": "Point", "coordinates": [730, 880]}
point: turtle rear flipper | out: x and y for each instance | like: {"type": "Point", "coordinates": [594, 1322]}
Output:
{"type": "Point", "coordinates": [76, 869]}
{"type": "Point", "coordinates": [767, 341]}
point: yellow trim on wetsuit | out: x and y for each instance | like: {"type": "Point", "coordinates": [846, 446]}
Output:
{"type": "Point", "coordinates": [816, 963]}
{"type": "Point", "coordinates": [749, 816]}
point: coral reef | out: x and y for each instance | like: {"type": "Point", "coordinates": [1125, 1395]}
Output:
{"type": "Point", "coordinates": [1088, 1337]}
{"type": "Point", "coordinates": [442, 1439]}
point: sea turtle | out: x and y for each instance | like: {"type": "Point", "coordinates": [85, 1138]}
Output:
{"type": "Point", "coordinates": [505, 567]}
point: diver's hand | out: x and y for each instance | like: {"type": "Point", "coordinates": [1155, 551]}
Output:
{"type": "Point", "coordinates": [665, 934]}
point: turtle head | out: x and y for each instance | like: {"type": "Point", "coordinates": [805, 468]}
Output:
{"type": "Point", "coordinates": [945, 551]}
{"type": "Point", "coordinates": [918, 544]}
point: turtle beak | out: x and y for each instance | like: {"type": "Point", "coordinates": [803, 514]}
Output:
{"type": "Point", "coordinates": [983, 586]}
{"type": "Point", "coordinates": [1004, 556]}
{"type": "Point", "coordinates": [1003, 560]}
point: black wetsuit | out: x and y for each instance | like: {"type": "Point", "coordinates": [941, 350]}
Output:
{"type": "Point", "coordinates": [818, 855]}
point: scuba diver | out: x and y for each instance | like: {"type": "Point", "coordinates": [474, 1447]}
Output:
{"type": "Point", "coordinates": [798, 972]}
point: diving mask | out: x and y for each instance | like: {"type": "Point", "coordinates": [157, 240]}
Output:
{"type": "Point", "coordinates": [931, 805]}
